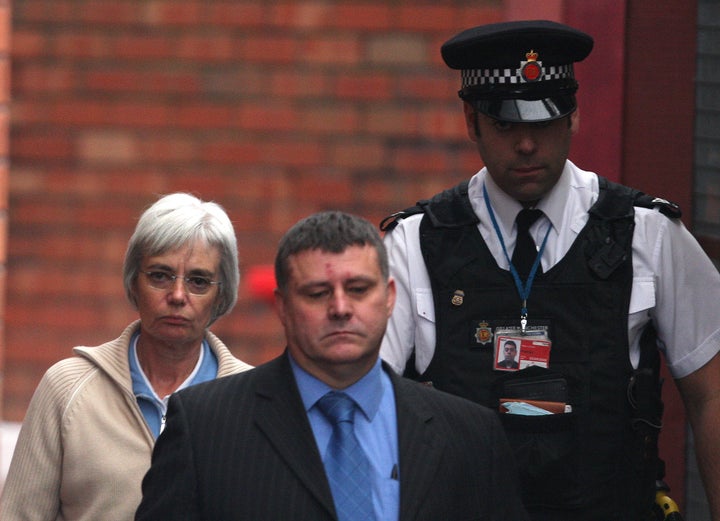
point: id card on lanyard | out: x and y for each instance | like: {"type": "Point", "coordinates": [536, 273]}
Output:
{"type": "Point", "coordinates": [516, 349]}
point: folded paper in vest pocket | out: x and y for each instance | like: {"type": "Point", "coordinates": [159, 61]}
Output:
{"type": "Point", "coordinates": [537, 407]}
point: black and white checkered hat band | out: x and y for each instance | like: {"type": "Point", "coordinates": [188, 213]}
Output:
{"type": "Point", "coordinates": [475, 77]}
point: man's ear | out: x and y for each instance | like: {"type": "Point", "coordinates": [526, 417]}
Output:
{"type": "Point", "coordinates": [575, 121]}
{"type": "Point", "coordinates": [470, 121]}
{"type": "Point", "coordinates": [279, 305]}
{"type": "Point", "coordinates": [391, 295]}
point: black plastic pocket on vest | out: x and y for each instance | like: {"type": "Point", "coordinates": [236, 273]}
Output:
{"type": "Point", "coordinates": [547, 457]}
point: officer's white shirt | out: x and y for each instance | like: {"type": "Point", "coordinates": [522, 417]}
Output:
{"type": "Point", "coordinates": [674, 283]}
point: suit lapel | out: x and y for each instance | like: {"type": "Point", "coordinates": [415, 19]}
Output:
{"type": "Point", "coordinates": [420, 447]}
{"type": "Point", "coordinates": [281, 416]}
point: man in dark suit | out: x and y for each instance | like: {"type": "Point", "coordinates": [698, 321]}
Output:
{"type": "Point", "coordinates": [258, 447]}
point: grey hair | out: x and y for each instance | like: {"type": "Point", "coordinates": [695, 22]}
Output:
{"type": "Point", "coordinates": [178, 219]}
{"type": "Point", "coordinates": [329, 231]}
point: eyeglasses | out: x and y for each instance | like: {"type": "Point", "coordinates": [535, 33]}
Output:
{"type": "Point", "coordinates": [195, 284]}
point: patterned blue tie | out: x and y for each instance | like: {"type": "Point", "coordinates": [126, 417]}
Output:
{"type": "Point", "coordinates": [346, 465]}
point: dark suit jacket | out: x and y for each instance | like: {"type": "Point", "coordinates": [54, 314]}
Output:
{"type": "Point", "coordinates": [241, 448]}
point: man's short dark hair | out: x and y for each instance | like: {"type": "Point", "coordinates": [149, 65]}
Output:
{"type": "Point", "coordinates": [332, 232]}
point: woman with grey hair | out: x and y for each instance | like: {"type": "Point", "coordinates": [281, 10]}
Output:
{"type": "Point", "coordinates": [88, 435]}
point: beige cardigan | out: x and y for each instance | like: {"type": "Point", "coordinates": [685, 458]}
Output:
{"type": "Point", "coordinates": [84, 446]}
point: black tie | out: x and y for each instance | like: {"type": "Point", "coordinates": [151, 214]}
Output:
{"type": "Point", "coordinates": [525, 250]}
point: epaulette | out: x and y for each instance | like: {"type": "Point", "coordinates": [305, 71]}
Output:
{"type": "Point", "coordinates": [391, 221]}
{"type": "Point", "coordinates": [666, 207]}
{"type": "Point", "coordinates": [447, 209]}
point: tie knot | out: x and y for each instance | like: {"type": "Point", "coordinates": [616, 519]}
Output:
{"type": "Point", "coordinates": [337, 407]}
{"type": "Point", "coordinates": [526, 218]}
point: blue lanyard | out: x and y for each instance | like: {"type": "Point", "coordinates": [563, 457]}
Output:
{"type": "Point", "coordinates": [523, 290]}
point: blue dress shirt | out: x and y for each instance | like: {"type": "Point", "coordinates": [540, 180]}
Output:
{"type": "Point", "coordinates": [375, 428]}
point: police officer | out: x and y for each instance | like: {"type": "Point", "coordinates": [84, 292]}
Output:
{"type": "Point", "coordinates": [586, 276]}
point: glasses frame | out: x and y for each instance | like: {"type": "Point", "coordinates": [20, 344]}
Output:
{"type": "Point", "coordinates": [173, 277]}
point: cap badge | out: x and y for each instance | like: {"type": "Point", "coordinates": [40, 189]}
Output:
{"type": "Point", "coordinates": [531, 70]}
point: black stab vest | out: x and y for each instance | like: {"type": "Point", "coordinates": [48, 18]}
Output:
{"type": "Point", "coordinates": [600, 461]}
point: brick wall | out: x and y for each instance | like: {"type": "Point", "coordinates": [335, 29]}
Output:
{"type": "Point", "coordinates": [273, 109]}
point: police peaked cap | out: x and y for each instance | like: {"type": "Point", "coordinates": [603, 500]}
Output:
{"type": "Point", "coordinates": [519, 71]}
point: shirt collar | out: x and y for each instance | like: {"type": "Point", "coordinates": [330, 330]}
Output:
{"type": "Point", "coordinates": [506, 208]}
{"type": "Point", "coordinates": [205, 369]}
{"type": "Point", "coordinates": [367, 392]}
{"type": "Point", "coordinates": [553, 204]}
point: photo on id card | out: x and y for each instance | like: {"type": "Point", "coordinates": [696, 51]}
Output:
{"type": "Point", "coordinates": [516, 352]}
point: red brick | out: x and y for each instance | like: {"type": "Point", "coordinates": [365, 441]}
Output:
{"type": "Point", "coordinates": [4, 189]}
{"type": "Point", "coordinates": [5, 28]}
{"type": "Point", "coordinates": [302, 15]}
{"type": "Point", "coordinates": [124, 80]}
{"type": "Point", "coordinates": [108, 12]}
{"type": "Point", "coordinates": [296, 84]}
{"type": "Point", "coordinates": [95, 112]}
{"type": "Point", "coordinates": [294, 153]}
{"type": "Point", "coordinates": [355, 154]}
{"type": "Point", "coordinates": [321, 188]}
{"type": "Point", "coordinates": [331, 119]}
{"type": "Point", "coordinates": [421, 18]}
{"type": "Point", "coordinates": [61, 282]}
{"type": "Point", "coordinates": [28, 43]}
{"type": "Point", "coordinates": [364, 16]}
{"type": "Point", "coordinates": [443, 124]}
{"type": "Point", "coordinates": [393, 121]}
{"type": "Point", "coordinates": [234, 13]}
{"type": "Point", "coordinates": [470, 15]}
{"type": "Point", "coordinates": [174, 13]}
{"type": "Point", "coordinates": [32, 78]}
{"type": "Point", "coordinates": [427, 88]}
{"type": "Point", "coordinates": [93, 182]}
{"type": "Point", "coordinates": [31, 147]}
{"type": "Point", "coordinates": [128, 46]}
{"type": "Point", "coordinates": [4, 145]}
{"type": "Point", "coordinates": [268, 49]}
{"type": "Point", "coordinates": [236, 82]}
{"type": "Point", "coordinates": [168, 149]}
{"type": "Point", "coordinates": [267, 117]}
{"type": "Point", "coordinates": [82, 45]}
{"type": "Point", "coordinates": [3, 259]}
{"type": "Point", "coordinates": [417, 160]}
{"type": "Point", "coordinates": [67, 248]}
{"type": "Point", "coordinates": [205, 48]}
{"type": "Point", "coordinates": [200, 115]}
{"type": "Point", "coordinates": [384, 192]}
{"type": "Point", "coordinates": [230, 152]}
{"type": "Point", "coordinates": [398, 49]}
{"type": "Point", "coordinates": [57, 11]}
{"type": "Point", "coordinates": [62, 213]}
{"type": "Point", "coordinates": [344, 50]}
{"type": "Point", "coordinates": [364, 87]}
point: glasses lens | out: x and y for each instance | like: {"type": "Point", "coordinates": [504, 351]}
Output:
{"type": "Point", "coordinates": [160, 279]}
{"type": "Point", "coordinates": [197, 285]}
